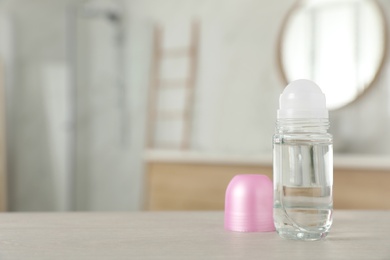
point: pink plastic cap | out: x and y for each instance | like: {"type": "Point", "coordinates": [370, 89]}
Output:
{"type": "Point", "coordinates": [249, 204]}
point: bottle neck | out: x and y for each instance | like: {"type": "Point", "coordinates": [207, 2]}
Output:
{"type": "Point", "coordinates": [302, 125]}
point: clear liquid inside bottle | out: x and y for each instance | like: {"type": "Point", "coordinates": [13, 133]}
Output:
{"type": "Point", "coordinates": [303, 179]}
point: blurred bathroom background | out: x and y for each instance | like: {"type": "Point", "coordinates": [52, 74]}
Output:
{"type": "Point", "coordinates": [101, 96]}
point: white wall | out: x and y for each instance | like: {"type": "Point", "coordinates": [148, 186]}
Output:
{"type": "Point", "coordinates": [238, 81]}
{"type": "Point", "coordinates": [39, 42]}
{"type": "Point", "coordinates": [108, 172]}
{"type": "Point", "coordinates": [236, 98]}
{"type": "Point", "coordinates": [363, 126]}
{"type": "Point", "coordinates": [237, 85]}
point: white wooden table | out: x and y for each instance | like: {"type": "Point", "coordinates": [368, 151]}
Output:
{"type": "Point", "coordinates": [181, 235]}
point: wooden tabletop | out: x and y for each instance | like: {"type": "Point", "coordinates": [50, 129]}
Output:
{"type": "Point", "coordinates": [181, 235]}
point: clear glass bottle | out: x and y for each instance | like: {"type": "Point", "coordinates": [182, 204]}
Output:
{"type": "Point", "coordinates": [303, 164]}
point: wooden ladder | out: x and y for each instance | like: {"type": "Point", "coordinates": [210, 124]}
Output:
{"type": "Point", "coordinates": [158, 83]}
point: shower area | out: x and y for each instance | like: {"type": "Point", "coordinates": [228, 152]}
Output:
{"type": "Point", "coordinates": [74, 150]}
{"type": "Point", "coordinates": [96, 52]}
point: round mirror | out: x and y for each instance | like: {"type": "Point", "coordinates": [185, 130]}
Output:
{"type": "Point", "coordinates": [339, 44]}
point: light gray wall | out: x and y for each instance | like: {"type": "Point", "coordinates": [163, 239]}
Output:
{"type": "Point", "coordinates": [236, 98]}
{"type": "Point", "coordinates": [238, 81]}
{"type": "Point", "coordinates": [108, 173]}
{"type": "Point", "coordinates": [39, 39]}
{"type": "Point", "coordinates": [237, 84]}
{"type": "Point", "coordinates": [363, 126]}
